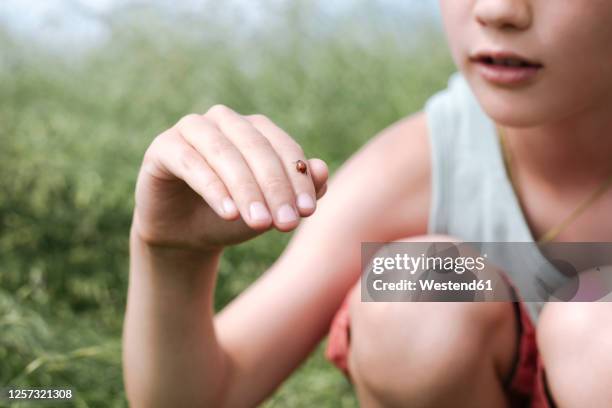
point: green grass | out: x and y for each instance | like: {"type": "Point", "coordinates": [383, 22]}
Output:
{"type": "Point", "coordinates": [72, 134]}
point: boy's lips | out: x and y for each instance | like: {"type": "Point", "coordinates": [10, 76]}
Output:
{"type": "Point", "coordinates": [505, 67]}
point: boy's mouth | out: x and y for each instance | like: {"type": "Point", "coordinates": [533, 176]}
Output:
{"type": "Point", "coordinates": [507, 62]}
{"type": "Point", "coordinates": [505, 68]}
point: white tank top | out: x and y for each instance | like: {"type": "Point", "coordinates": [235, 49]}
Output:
{"type": "Point", "coordinates": [472, 197]}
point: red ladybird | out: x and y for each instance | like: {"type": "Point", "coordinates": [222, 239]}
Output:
{"type": "Point", "coordinates": [301, 167]}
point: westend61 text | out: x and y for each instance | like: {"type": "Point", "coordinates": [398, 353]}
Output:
{"type": "Point", "coordinates": [432, 285]}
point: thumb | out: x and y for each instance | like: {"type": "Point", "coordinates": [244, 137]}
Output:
{"type": "Point", "coordinates": [319, 173]}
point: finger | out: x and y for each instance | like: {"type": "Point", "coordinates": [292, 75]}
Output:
{"type": "Point", "coordinates": [289, 152]}
{"type": "Point", "coordinates": [229, 165]}
{"type": "Point", "coordinates": [263, 160]}
{"type": "Point", "coordinates": [320, 172]}
{"type": "Point", "coordinates": [171, 154]}
{"type": "Point", "coordinates": [321, 192]}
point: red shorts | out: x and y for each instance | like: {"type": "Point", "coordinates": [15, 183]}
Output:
{"type": "Point", "coordinates": [526, 387]}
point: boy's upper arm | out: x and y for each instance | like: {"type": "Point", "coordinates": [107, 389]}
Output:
{"type": "Point", "coordinates": [381, 193]}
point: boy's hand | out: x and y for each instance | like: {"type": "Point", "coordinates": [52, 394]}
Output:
{"type": "Point", "coordinates": [222, 178]}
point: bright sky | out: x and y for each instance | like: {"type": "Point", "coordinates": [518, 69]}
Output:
{"type": "Point", "coordinates": [63, 23]}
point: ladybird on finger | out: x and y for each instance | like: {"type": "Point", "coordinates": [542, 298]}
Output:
{"type": "Point", "coordinates": [301, 167]}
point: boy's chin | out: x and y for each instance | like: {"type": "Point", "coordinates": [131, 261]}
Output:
{"type": "Point", "coordinates": [518, 107]}
{"type": "Point", "coordinates": [514, 118]}
{"type": "Point", "coordinates": [516, 112]}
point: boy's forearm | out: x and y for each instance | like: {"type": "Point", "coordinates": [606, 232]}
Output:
{"type": "Point", "coordinates": [171, 355]}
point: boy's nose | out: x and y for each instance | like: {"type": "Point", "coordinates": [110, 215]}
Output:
{"type": "Point", "coordinates": [504, 14]}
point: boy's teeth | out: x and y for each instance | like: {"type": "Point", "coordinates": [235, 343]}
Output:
{"type": "Point", "coordinates": [508, 62]}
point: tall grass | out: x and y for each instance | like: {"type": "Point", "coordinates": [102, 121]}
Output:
{"type": "Point", "coordinates": [72, 134]}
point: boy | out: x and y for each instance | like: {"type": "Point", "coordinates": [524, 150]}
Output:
{"type": "Point", "coordinates": [540, 71]}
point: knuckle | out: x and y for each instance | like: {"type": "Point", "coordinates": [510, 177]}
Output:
{"type": "Point", "coordinates": [214, 185]}
{"type": "Point", "coordinates": [190, 118]}
{"type": "Point", "coordinates": [255, 142]}
{"type": "Point", "coordinates": [163, 137]}
{"type": "Point", "coordinates": [219, 109]}
{"type": "Point", "coordinates": [188, 158]}
{"type": "Point", "coordinates": [276, 185]}
{"type": "Point", "coordinates": [238, 126]}
{"type": "Point", "coordinates": [220, 146]}
{"type": "Point", "coordinates": [151, 162]}
{"type": "Point", "coordinates": [150, 155]}
{"type": "Point", "coordinates": [258, 118]}
{"type": "Point", "coordinates": [247, 188]}
{"type": "Point", "coordinates": [150, 151]}
{"type": "Point", "coordinates": [156, 145]}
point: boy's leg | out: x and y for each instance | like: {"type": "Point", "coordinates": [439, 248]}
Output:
{"type": "Point", "coordinates": [432, 354]}
{"type": "Point", "coordinates": [575, 342]}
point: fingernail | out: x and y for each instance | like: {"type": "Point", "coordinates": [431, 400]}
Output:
{"type": "Point", "coordinates": [259, 211]}
{"type": "Point", "coordinates": [286, 213]}
{"type": "Point", "coordinates": [305, 201]}
{"type": "Point", "coordinates": [228, 206]}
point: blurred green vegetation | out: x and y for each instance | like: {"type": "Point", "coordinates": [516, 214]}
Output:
{"type": "Point", "coordinates": [72, 134]}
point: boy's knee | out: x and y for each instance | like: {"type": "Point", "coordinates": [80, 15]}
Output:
{"type": "Point", "coordinates": [574, 339]}
{"type": "Point", "coordinates": [406, 349]}
{"type": "Point", "coordinates": [571, 327]}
